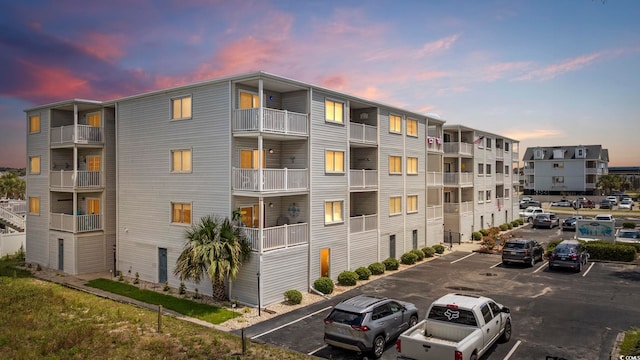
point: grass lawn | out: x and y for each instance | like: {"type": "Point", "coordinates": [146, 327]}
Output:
{"type": "Point", "coordinates": [208, 313]}
{"type": "Point", "coordinates": [43, 320]}
{"type": "Point", "coordinates": [631, 344]}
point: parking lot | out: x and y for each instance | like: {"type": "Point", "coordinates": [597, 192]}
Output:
{"type": "Point", "coordinates": [557, 314]}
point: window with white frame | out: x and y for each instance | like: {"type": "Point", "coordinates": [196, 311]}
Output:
{"type": "Point", "coordinates": [412, 127]}
{"type": "Point", "coordinates": [395, 165]}
{"type": "Point", "coordinates": [480, 169]}
{"type": "Point", "coordinates": [412, 165]}
{"type": "Point", "coordinates": [506, 193]}
{"type": "Point", "coordinates": [480, 196]}
{"type": "Point", "coordinates": [558, 165]}
{"type": "Point", "coordinates": [34, 124]}
{"type": "Point", "coordinates": [395, 205]}
{"type": "Point", "coordinates": [487, 142]}
{"type": "Point", "coordinates": [334, 111]}
{"type": "Point", "coordinates": [34, 165]}
{"type": "Point", "coordinates": [488, 169]}
{"type": "Point", "coordinates": [333, 212]}
{"type": "Point", "coordinates": [412, 204]}
{"type": "Point", "coordinates": [488, 196]}
{"type": "Point", "coordinates": [181, 213]}
{"type": "Point", "coordinates": [181, 107]}
{"type": "Point", "coordinates": [334, 161]}
{"type": "Point", "coordinates": [395, 124]}
{"type": "Point", "coordinates": [181, 160]}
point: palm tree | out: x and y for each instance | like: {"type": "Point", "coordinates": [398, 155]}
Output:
{"type": "Point", "coordinates": [609, 182]}
{"type": "Point", "coordinates": [215, 247]}
{"type": "Point", "coordinates": [11, 186]}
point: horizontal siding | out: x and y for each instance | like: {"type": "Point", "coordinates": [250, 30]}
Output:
{"type": "Point", "coordinates": [91, 254]}
{"type": "Point", "coordinates": [363, 249]}
{"type": "Point", "coordinates": [276, 278]}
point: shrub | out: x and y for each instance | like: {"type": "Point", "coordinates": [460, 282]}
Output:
{"type": "Point", "coordinates": [520, 221]}
{"type": "Point", "coordinates": [476, 235]}
{"type": "Point", "coordinates": [515, 223]}
{"type": "Point", "coordinates": [293, 296]}
{"type": "Point", "coordinates": [408, 258]}
{"type": "Point", "coordinates": [604, 250]}
{"type": "Point", "coordinates": [484, 232]}
{"type": "Point", "coordinates": [503, 227]}
{"type": "Point", "coordinates": [363, 273]}
{"type": "Point", "coordinates": [377, 268]}
{"type": "Point", "coordinates": [438, 248]}
{"type": "Point", "coordinates": [391, 263]}
{"type": "Point", "coordinates": [182, 289]}
{"type": "Point", "coordinates": [419, 253]}
{"type": "Point", "coordinates": [428, 251]}
{"type": "Point", "coordinates": [137, 279]}
{"type": "Point", "coordinates": [347, 278]}
{"type": "Point", "coordinates": [509, 226]}
{"type": "Point", "coordinates": [324, 285]}
{"type": "Point", "coordinates": [166, 286]}
{"type": "Point", "coordinates": [628, 225]}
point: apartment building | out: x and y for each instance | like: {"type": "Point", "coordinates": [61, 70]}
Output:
{"type": "Point", "coordinates": [480, 181]}
{"type": "Point", "coordinates": [325, 181]}
{"type": "Point", "coordinates": [564, 170]}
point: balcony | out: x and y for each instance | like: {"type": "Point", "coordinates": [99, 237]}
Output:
{"type": "Point", "coordinates": [434, 212]}
{"type": "Point", "coordinates": [362, 223]}
{"type": "Point", "coordinates": [272, 179]}
{"type": "Point", "coordinates": [458, 208]}
{"type": "Point", "coordinates": [78, 134]}
{"type": "Point", "coordinates": [362, 133]}
{"type": "Point", "coordinates": [363, 179]}
{"type": "Point", "coordinates": [75, 223]}
{"type": "Point", "coordinates": [76, 179]}
{"type": "Point", "coordinates": [273, 121]}
{"type": "Point", "coordinates": [434, 144]}
{"type": "Point", "coordinates": [434, 178]}
{"type": "Point", "coordinates": [458, 179]}
{"type": "Point", "coordinates": [458, 148]}
{"type": "Point", "coordinates": [277, 237]}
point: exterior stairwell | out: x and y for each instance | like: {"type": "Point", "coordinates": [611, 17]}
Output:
{"type": "Point", "coordinates": [11, 219]}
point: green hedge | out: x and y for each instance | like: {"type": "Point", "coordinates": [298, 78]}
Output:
{"type": "Point", "coordinates": [391, 263]}
{"type": "Point", "coordinates": [347, 278]}
{"type": "Point", "coordinates": [324, 285]}
{"type": "Point", "coordinates": [476, 235]}
{"type": "Point", "coordinates": [611, 251]}
{"type": "Point", "coordinates": [293, 296]}
{"type": "Point", "coordinates": [377, 268]}
{"type": "Point", "coordinates": [408, 258]}
{"type": "Point", "coordinates": [419, 253]}
{"type": "Point", "coordinates": [438, 248]}
{"type": "Point", "coordinates": [363, 273]}
{"type": "Point", "coordinates": [428, 251]}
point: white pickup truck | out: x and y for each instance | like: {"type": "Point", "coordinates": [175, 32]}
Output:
{"type": "Point", "coordinates": [460, 327]}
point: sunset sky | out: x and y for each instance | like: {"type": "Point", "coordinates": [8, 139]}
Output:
{"type": "Point", "coordinates": [544, 72]}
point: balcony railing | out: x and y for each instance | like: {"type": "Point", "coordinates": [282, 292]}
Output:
{"type": "Point", "coordinates": [458, 208]}
{"type": "Point", "coordinates": [79, 134]}
{"type": "Point", "coordinates": [434, 178]}
{"type": "Point", "coordinates": [363, 179]}
{"type": "Point", "coordinates": [75, 223]}
{"type": "Point", "coordinates": [76, 179]}
{"type": "Point", "coordinates": [277, 237]}
{"type": "Point", "coordinates": [274, 121]}
{"type": "Point", "coordinates": [459, 148]}
{"type": "Point", "coordinates": [272, 179]}
{"type": "Point", "coordinates": [363, 133]}
{"type": "Point", "coordinates": [434, 212]}
{"type": "Point", "coordinates": [456, 178]}
{"type": "Point", "coordinates": [363, 223]}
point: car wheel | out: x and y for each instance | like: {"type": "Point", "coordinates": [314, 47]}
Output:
{"type": "Point", "coordinates": [505, 263]}
{"type": "Point", "coordinates": [506, 335]}
{"type": "Point", "coordinates": [530, 220]}
{"type": "Point", "coordinates": [413, 321]}
{"type": "Point", "coordinates": [533, 261]}
{"type": "Point", "coordinates": [474, 356]}
{"type": "Point", "coordinates": [378, 346]}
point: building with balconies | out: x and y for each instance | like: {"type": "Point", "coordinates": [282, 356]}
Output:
{"type": "Point", "coordinates": [324, 181]}
{"type": "Point", "coordinates": [480, 184]}
{"type": "Point", "coordinates": [564, 170]}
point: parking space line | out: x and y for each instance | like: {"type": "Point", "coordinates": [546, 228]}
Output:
{"type": "Point", "coordinates": [513, 350]}
{"type": "Point", "coordinates": [492, 266]}
{"type": "Point", "coordinates": [589, 269]}
{"type": "Point", "coordinates": [291, 322]}
{"type": "Point", "coordinates": [541, 267]}
{"type": "Point", "coordinates": [316, 350]}
{"type": "Point", "coordinates": [462, 258]}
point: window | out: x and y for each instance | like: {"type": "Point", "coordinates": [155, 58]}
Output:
{"type": "Point", "coordinates": [34, 205]}
{"type": "Point", "coordinates": [412, 127]}
{"type": "Point", "coordinates": [249, 100]}
{"type": "Point", "coordinates": [34, 124]}
{"type": "Point", "coordinates": [480, 196]}
{"type": "Point", "coordinates": [395, 205]}
{"type": "Point", "coordinates": [412, 165]}
{"type": "Point", "coordinates": [487, 142]}
{"type": "Point", "coordinates": [181, 108]}
{"type": "Point", "coordinates": [333, 212]}
{"type": "Point", "coordinates": [93, 206]}
{"type": "Point", "coordinates": [249, 159]}
{"type": "Point", "coordinates": [558, 179]}
{"type": "Point", "coordinates": [181, 161]}
{"type": "Point", "coordinates": [506, 146]}
{"type": "Point", "coordinates": [334, 111]}
{"type": "Point", "coordinates": [93, 119]}
{"type": "Point", "coordinates": [34, 165]}
{"type": "Point", "coordinates": [538, 154]}
{"type": "Point", "coordinates": [395, 165]}
{"type": "Point", "coordinates": [412, 204]}
{"type": "Point", "coordinates": [506, 170]}
{"type": "Point", "coordinates": [488, 167]}
{"type": "Point", "coordinates": [558, 165]}
{"type": "Point", "coordinates": [181, 213]}
{"type": "Point", "coordinates": [334, 161]}
{"type": "Point", "coordinates": [506, 193]}
{"type": "Point", "coordinates": [395, 124]}
{"type": "Point", "coordinates": [488, 198]}
{"type": "Point", "coordinates": [480, 169]}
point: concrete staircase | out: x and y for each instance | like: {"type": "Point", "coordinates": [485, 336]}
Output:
{"type": "Point", "coordinates": [12, 215]}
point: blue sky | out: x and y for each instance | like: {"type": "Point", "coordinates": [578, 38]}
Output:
{"type": "Point", "coordinates": [544, 72]}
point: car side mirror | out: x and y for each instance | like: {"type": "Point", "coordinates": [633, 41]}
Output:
{"type": "Point", "coordinates": [505, 310]}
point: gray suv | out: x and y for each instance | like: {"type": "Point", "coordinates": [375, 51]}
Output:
{"type": "Point", "coordinates": [367, 323]}
{"type": "Point", "coordinates": [524, 251]}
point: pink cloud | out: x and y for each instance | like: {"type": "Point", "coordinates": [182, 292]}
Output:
{"type": "Point", "coordinates": [554, 70]}
{"type": "Point", "coordinates": [500, 70]}
{"type": "Point", "coordinates": [437, 46]}
{"type": "Point", "coordinates": [427, 75]}
{"type": "Point", "coordinates": [51, 82]}
{"type": "Point", "coordinates": [107, 47]}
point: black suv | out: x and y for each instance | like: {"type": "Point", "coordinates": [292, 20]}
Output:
{"type": "Point", "coordinates": [525, 251]}
{"type": "Point", "coordinates": [569, 254]}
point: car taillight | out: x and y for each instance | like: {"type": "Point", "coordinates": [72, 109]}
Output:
{"type": "Point", "coordinates": [458, 355]}
{"type": "Point", "coordinates": [574, 257]}
{"type": "Point", "coordinates": [553, 255]}
{"type": "Point", "coordinates": [328, 321]}
{"type": "Point", "coordinates": [398, 346]}
{"type": "Point", "coordinates": [360, 327]}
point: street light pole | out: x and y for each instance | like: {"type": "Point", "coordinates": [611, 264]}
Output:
{"type": "Point", "coordinates": [259, 310]}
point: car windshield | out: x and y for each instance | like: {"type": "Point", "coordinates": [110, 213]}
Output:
{"type": "Point", "coordinates": [514, 245]}
{"type": "Point", "coordinates": [629, 234]}
{"type": "Point", "coordinates": [565, 250]}
{"type": "Point", "coordinates": [345, 317]}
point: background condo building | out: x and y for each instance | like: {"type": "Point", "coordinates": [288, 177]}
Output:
{"type": "Point", "coordinates": [324, 181]}
{"type": "Point", "coordinates": [480, 180]}
{"type": "Point", "coordinates": [564, 170]}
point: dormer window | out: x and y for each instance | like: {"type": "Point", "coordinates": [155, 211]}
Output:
{"type": "Point", "coordinates": [538, 154]}
{"type": "Point", "coordinates": [581, 153]}
{"type": "Point", "coordinates": [558, 154]}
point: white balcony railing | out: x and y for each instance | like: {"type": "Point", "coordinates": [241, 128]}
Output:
{"type": "Point", "coordinates": [363, 133]}
{"type": "Point", "coordinates": [460, 148]}
{"type": "Point", "coordinates": [458, 208]}
{"type": "Point", "coordinates": [274, 121]}
{"type": "Point", "coordinates": [272, 179]}
{"type": "Point", "coordinates": [363, 223]}
{"type": "Point", "coordinates": [79, 134]}
{"type": "Point", "coordinates": [363, 179]}
{"type": "Point", "coordinates": [456, 178]}
{"type": "Point", "coordinates": [277, 237]}
{"type": "Point", "coordinates": [71, 179]}
{"type": "Point", "coordinates": [434, 178]}
{"type": "Point", "coordinates": [434, 212]}
{"type": "Point", "coordinates": [75, 223]}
